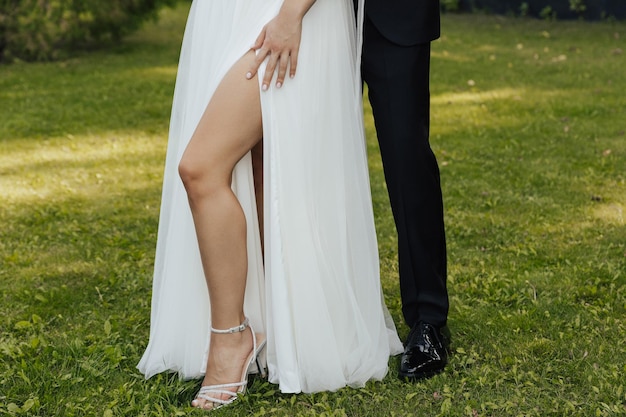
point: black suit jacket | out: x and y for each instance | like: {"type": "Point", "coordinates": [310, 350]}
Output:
{"type": "Point", "coordinates": [405, 22]}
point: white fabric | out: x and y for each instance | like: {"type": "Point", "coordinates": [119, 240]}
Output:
{"type": "Point", "coordinates": [319, 298]}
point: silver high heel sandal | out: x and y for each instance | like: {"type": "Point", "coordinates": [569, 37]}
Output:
{"type": "Point", "coordinates": [212, 392]}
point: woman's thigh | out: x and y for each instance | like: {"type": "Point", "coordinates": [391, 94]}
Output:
{"type": "Point", "coordinates": [230, 126]}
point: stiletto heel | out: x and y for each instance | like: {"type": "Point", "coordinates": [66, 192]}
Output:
{"type": "Point", "coordinates": [212, 392]}
{"type": "Point", "coordinates": [260, 370]}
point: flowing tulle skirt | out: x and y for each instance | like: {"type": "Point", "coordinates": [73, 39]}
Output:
{"type": "Point", "coordinates": [317, 295]}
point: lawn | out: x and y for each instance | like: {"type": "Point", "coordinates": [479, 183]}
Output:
{"type": "Point", "coordinates": [529, 125]}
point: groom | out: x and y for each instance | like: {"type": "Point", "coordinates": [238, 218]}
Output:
{"type": "Point", "coordinates": [395, 67]}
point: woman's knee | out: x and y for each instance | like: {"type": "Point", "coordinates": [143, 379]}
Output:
{"type": "Point", "coordinates": [199, 177]}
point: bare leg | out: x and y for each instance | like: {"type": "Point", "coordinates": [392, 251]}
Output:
{"type": "Point", "coordinates": [257, 170]}
{"type": "Point", "coordinates": [230, 126]}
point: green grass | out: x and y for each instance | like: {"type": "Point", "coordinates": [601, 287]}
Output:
{"type": "Point", "coordinates": [529, 122]}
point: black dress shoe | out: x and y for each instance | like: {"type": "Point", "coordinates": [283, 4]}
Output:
{"type": "Point", "coordinates": [425, 353]}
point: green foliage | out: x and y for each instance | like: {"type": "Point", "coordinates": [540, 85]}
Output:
{"type": "Point", "coordinates": [547, 13]}
{"type": "Point", "coordinates": [527, 123]}
{"type": "Point", "coordinates": [450, 5]}
{"type": "Point", "coordinates": [524, 8]}
{"type": "Point", "coordinates": [577, 6]}
{"type": "Point", "coordinates": [46, 29]}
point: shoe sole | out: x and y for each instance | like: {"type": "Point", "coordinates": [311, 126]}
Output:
{"type": "Point", "coordinates": [418, 376]}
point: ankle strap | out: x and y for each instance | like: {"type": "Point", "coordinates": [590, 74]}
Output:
{"type": "Point", "coordinates": [235, 329]}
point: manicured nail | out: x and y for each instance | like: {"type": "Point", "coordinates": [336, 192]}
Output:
{"type": "Point", "coordinates": [292, 75]}
{"type": "Point", "coordinates": [264, 87]}
{"type": "Point", "coordinates": [279, 84]}
{"type": "Point", "coordinates": [249, 75]}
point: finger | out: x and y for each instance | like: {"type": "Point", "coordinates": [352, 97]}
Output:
{"type": "Point", "coordinates": [260, 39]}
{"type": "Point", "coordinates": [283, 63]}
{"type": "Point", "coordinates": [269, 71]}
{"type": "Point", "coordinates": [293, 63]}
{"type": "Point", "coordinates": [260, 56]}
{"type": "Point", "coordinates": [256, 63]}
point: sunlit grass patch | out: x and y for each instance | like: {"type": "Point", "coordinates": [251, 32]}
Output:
{"type": "Point", "coordinates": [84, 166]}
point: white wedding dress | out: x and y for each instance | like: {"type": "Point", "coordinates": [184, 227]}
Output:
{"type": "Point", "coordinates": [318, 296]}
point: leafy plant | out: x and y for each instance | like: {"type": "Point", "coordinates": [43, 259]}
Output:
{"type": "Point", "coordinates": [46, 29]}
{"type": "Point", "coordinates": [547, 13]}
{"type": "Point", "coordinates": [524, 9]}
{"type": "Point", "coordinates": [450, 5]}
{"type": "Point", "coordinates": [577, 6]}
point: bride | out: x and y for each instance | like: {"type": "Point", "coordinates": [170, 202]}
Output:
{"type": "Point", "coordinates": [307, 289]}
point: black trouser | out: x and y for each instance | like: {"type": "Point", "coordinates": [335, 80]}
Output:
{"type": "Point", "coordinates": [398, 81]}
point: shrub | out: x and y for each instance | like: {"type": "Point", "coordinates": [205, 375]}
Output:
{"type": "Point", "coordinates": [550, 9]}
{"type": "Point", "coordinates": [577, 6]}
{"type": "Point", "coordinates": [450, 5]}
{"type": "Point", "coordinates": [547, 13]}
{"type": "Point", "coordinates": [45, 29]}
{"type": "Point", "coordinates": [524, 9]}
